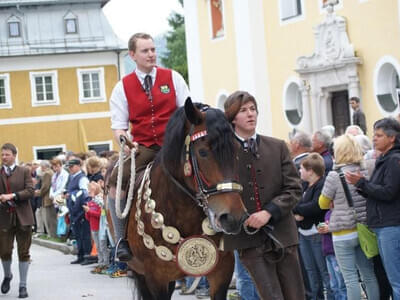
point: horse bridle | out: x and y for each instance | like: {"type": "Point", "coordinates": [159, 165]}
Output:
{"type": "Point", "coordinates": [204, 191]}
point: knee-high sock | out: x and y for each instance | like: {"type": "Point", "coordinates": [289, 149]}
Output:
{"type": "Point", "coordinates": [23, 272]}
{"type": "Point", "coordinates": [119, 224]}
{"type": "Point", "coordinates": [7, 268]}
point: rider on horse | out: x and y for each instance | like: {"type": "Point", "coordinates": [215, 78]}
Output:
{"type": "Point", "coordinates": [145, 99]}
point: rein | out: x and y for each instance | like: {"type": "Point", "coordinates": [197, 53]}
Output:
{"type": "Point", "coordinates": [123, 142]}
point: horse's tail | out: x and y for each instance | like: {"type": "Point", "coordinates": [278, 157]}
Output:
{"type": "Point", "coordinates": [140, 290]}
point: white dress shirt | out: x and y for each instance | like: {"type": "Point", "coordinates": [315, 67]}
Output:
{"type": "Point", "coordinates": [58, 182]}
{"type": "Point", "coordinates": [119, 103]}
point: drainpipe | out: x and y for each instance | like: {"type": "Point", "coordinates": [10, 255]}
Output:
{"type": "Point", "coordinates": [118, 66]}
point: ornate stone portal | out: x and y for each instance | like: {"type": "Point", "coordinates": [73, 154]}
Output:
{"type": "Point", "coordinates": [332, 67]}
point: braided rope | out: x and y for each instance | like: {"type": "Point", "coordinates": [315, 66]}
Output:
{"type": "Point", "coordinates": [119, 182]}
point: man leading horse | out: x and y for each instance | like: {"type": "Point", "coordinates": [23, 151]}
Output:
{"type": "Point", "coordinates": [145, 100]}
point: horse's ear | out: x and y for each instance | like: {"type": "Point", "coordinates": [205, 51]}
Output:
{"type": "Point", "coordinates": [193, 114]}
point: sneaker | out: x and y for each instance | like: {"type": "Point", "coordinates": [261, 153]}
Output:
{"type": "Point", "coordinates": [234, 296]}
{"type": "Point", "coordinates": [96, 270]}
{"type": "Point", "coordinates": [119, 273]}
{"type": "Point", "coordinates": [110, 270]}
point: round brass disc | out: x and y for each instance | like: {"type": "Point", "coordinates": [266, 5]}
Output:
{"type": "Point", "coordinates": [197, 256]}
{"type": "Point", "coordinates": [150, 206]}
{"type": "Point", "coordinates": [157, 220]}
{"type": "Point", "coordinates": [171, 235]}
{"type": "Point", "coordinates": [137, 215]}
{"type": "Point", "coordinates": [164, 253]}
{"type": "Point", "coordinates": [207, 228]}
{"type": "Point", "coordinates": [148, 241]}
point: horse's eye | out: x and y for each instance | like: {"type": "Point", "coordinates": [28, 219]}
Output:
{"type": "Point", "coordinates": [203, 152]}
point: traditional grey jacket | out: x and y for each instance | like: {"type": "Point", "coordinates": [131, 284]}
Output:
{"type": "Point", "coordinates": [342, 217]}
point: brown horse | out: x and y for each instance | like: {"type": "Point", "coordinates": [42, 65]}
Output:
{"type": "Point", "coordinates": [190, 179]}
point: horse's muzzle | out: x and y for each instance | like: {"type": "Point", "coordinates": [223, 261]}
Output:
{"type": "Point", "coordinates": [230, 224]}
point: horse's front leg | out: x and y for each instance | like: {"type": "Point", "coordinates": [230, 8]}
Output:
{"type": "Point", "coordinates": [220, 279]}
{"type": "Point", "coordinates": [160, 290]}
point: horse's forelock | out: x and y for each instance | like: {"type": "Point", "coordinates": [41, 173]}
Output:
{"type": "Point", "coordinates": [220, 137]}
{"type": "Point", "coordinates": [219, 133]}
{"type": "Point", "coordinates": [171, 151]}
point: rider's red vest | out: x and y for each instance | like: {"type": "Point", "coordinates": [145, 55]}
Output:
{"type": "Point", "coordinates": [149, 118]}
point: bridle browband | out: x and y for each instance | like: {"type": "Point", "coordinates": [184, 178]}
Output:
{"type": "Point", "coordinates": [204, 191]}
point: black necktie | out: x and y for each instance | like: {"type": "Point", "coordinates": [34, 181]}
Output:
{"type": "Point", "coordinates": [8, 171]}
{"type": "Point", "coordinates": [252, 144]}
{"type": "Point", "coordinates": [148, 84]}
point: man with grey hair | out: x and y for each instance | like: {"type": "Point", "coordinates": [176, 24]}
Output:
{"type": "Point", "coordinates": [300, 146]}
{"type": "Point", "coordinates": [321, 142]}
{"type": "Point", "coordinates": [48, 210]}
{"type": "Point", "coordinates": [354, 130]}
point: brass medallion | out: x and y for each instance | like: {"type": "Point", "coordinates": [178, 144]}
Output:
{"type": "Point", "coordinates": [157, 220]}
{"type": "Point", "coordinates": [150, 206]}
{"type": "Point", "coordinates": [164, 253]}
{"type": "Point", "coordinates": [207, 228]}
{"type": "Point", "coordinates": [171, 234]}
{"type": "Point", "coordinates": [148, 241]}
{"type": "Point", "coordinates": [197, 256]}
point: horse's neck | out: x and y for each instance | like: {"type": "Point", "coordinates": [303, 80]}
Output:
{"type": "Point", "coordinates": [177, 208]}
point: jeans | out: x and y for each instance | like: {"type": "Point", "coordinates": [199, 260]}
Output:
{"type": "Point", "coordinates": [315, 265]}
{"type": "Point", "coordinates": [337, 282]}
{"type": "Point", "coordinates": [203, 284]}
{"type": "Point", "coordinates": [244, 283]}
{"type": "Point", "coordinates": [81, 229]}
{"type": "Point", "coordinates": [389, 249]}
{"type": "Point", "coordinates": [351, 258]}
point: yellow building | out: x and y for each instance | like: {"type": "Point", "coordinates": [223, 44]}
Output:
{"type": "Point", "coordinates": [302, 60]}
{"type": "Point", "coordinates": [59, 61]}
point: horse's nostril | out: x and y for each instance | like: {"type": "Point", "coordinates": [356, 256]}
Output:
{"type": "Point", "coordinates": [229, 223]}
{"type": "Point", "coordinates": [225, 218]}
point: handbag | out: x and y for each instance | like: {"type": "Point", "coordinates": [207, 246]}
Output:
{"type": "Point", "coordinates": [366, 237]}
{"type": "Point", "coordinates": [61, 226]}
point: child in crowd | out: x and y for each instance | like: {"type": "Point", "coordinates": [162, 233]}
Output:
{"type": "Point", "coordinates": [336, 278]}
{"type": "Point", "coordinates": [94, 213]}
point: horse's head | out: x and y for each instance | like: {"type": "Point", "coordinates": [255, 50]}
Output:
{"type": "Point", "coordinates": [206, 164]}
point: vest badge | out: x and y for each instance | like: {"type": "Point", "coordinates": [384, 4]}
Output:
{"type": "Point", "coordinates": [164, 89]}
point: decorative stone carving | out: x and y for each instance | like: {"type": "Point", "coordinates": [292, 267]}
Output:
{"type": "Point", "coordinates": [332, 67]}
{"type": "Point", "coordinates": [332, 46]}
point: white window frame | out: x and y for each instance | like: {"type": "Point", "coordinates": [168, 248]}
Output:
{"type": "Point", "coordinates": [54, 81]}
{"type": "Point", "coordinates": [75, 20]}
{"type": "Point", "coordinates": [85, 100]}
{"type": "Point", "coordinates": [9, 29]}
{"type": "Point", "coordinates": [292, 80]}
{"type": "Point", "coordinates": [387, 59]}
{"type": "Point", "coordinates": [36, 148]}
{"type": "Point", "coordinates": [210, 22]}
{"type": "Point", "coordinates": [293, 19]}
{"type": "Point", "coordinates": [220, 99]}
{"type": "Point", "coordinates": [8, 104]}
{"type": "Point", "coordinates": [109, 143]}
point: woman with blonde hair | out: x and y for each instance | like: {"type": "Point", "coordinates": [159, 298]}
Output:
{"type": "Point", "coordinates": [349, 158]}
{"type": "Point", "coordinates": [93, 167]}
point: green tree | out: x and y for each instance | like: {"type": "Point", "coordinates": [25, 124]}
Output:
{"type": "Point", "coordinates": [175, 57]}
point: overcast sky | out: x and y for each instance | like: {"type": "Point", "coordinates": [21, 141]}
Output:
{"type": "Point", "coordinates": [130, 16]}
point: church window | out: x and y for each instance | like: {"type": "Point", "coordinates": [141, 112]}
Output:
{"type": "Point", "coordinates": [217, 18]}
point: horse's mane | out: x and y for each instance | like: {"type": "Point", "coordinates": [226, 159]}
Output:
{"type": "Point", "coordinates": [219, 132]}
